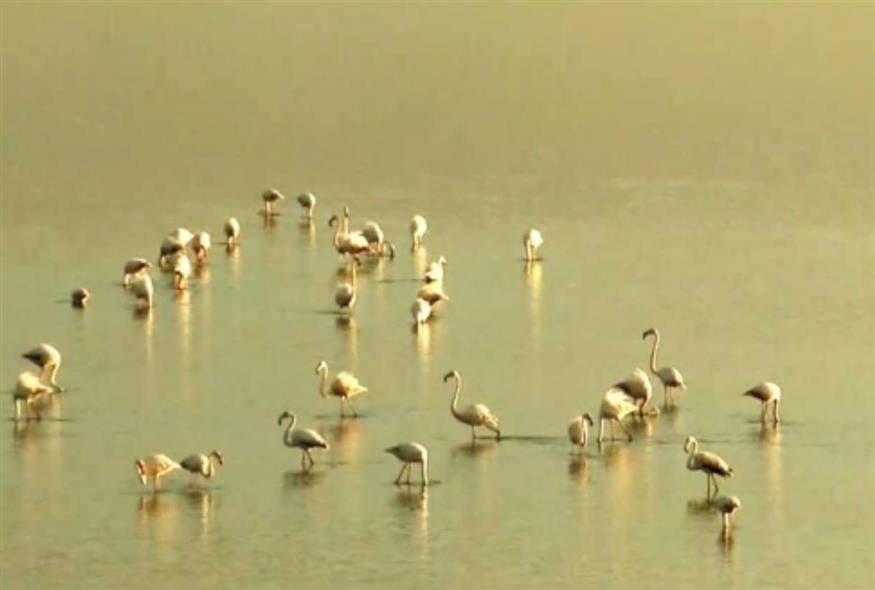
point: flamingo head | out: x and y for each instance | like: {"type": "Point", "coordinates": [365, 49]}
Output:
{"type": "Point", "coordinates": [321, 367]}
{"type": "Point", "coordinates": [588, 419]}
{"type": "Point", "coordinates": [690, 443]}
{"type": "Point", "coordinates": [454, 374]}
{"type": "Point", "coordinates": [284, 415]}
{"type": "Point", "coordinates": [219, 456]}
{"type": "Point", "coordinates": [141, 471]}
{"type": "Point", "coordinates": [650, 332]}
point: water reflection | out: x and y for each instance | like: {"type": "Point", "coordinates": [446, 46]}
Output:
{"type": "Point", "coordinates": [147, 316]}
{"type": "Point", "coordinates": [158, 518]}
{"type": "Point", "coordinates": [413, 499]}
{"type": "Point", "coordinates": [348, 327]}
{"type": "Point", "coordinates": [183, 306]}
{"type": "Point", "coordinates": [233, 256]}
{"type": "Point", "coordinates": [202, 501]}
{"type": "Point", "coordinates": [303, 479]}
{"type": "Point", "coordinates": [420, 261]}
{"type": "Point", "coordinates": [345, 437]}
{"type": "Point", "coordinates": [202, 272]}
{"type": "Point", "coordinates": [578, 468]}
{"type": "Point", "coordinates": [533, 272]}
{"type": "Point", "coordinates": [726, 545]}
{"type": "Point", "coordinates": [422, 340]}
{"type": "Point", "coordinates": [476, 448]}
{"type": "Point", "coordinates": [308, 232]}
{"type": "Point", "coordinates": [769, 436]}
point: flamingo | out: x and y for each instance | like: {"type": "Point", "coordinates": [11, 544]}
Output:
{"type": "Point", "coordinates": [421, 311]}
{"type": "Point", "coordinates": [79, 298]}
{"type": "Point", "coordinates": [200, 244]}
{"type": "Point", "coordinates": [345, 242]}
{"type": "Point", "coordinates": [435, 271]}
{"type": "Point", "coordinates": [203, 465]}
{"type": "Point", "coordinates": [409, 453]}
{"type": "Point", "coordinates": [143, 289]}
{"type": "Point", "coordinates": [767, 393]}
{"type": "Point", "coordinates": [48, 359]}
{"type": "Point", "coordinates": [182, 234]}
{"type": "Point", "coordinates": [669, 376]}
{"type": "Point", "coordinates": [28, 390]}
{"type": "Point", "coordinates": [270, 197]}
{"type": "Point", "coordinates": [380, 246]}
{"type": "Point", "coordinates": [727, 505]}
{"type": "Point", "coordinates": [346, 294]}
{"type": "Point", "coordinates": [615, 406]}
{"type": "Point", "coordinates": [232, 232]}
{"type": "Point", "coordinates": [638, 387]}
{"type": "Point", "coordinates": [170, 247]}
{"type": "Point", "coordinates": [532, 240]}
{"type": "Point", "coordinates": [307, 201]}
{"type": "Point", "coordinates": [474, 415]}
{"type": "Point", "coordinates": [418, 227]}
{"type": "Point", "coordinates": [302, 438]}
{"type": "Point", "coordinates": [433, 292]}
{"type": "Point", "coordinates": [345, 385]}
{"type": "Point", "coordinates": [133, 267]}
{"type": "Point", "coordinates": [709, 463]}
{"type": "Point", "coordinates": [578, 430]}
{"type": "Point", "coordinates": [181, 266]}
{"type": "Point", "coordinates": [155, 467]}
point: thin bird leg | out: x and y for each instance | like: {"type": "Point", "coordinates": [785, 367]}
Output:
{"type": "Point", "coordinates": [400, 473]}
{"type": "Point", "coordinates": [613, 438]}
{"type": "Point", "coordinates": [303, 464]}
{"type": "Point", "coordinates": [777, 411]}
{"type": "Point", "coordinates": [629, 436]}
{"type": "Point", "coordinates": [354, 412]}
{"type": "Point", "coordinates": [423, 478]}
{"type": "Point", "coordinates": [309, 457]}
{"type": "Point", "coordinates": [473, 436]}
{"type": "Point", "coordinates": [716, 489]}
{"type": "Point", "coordinates": [409, 469]}
{"type": "Point", "coordinates": [725, 522]}
{"type": "Point", "coordinates": [763, 413]}
{"type": "Point", "coordinates": [708, 479]}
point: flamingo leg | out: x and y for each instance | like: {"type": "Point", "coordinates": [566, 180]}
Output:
{"type": "Point", "coordinates": [473, 435]}
{"type": "Point", "coordinates": [310, 457]}
{"type": "Point", "coordinates": [400, 473]}
{"type": "Point", "coordinates": [716, 489]}
{"type": "Point", "coordinates": [423, 476]}
{"type": "Point", "coordinates": [708, 479]}
{"type": "Point", "coordinates": [623, 428]}
{"type": "Point", "coordinates": [303, 463]}
{"type": "Point", "coordinates": [777, 411]}
{"type": "Point", "coordinates": [354, 412]}
{"type": "Point", "coordinates": [763, 413]}
{"type": "Point", "coordinates": [726, 522]}
{"type": "Point", "coordinates": [409, 469]}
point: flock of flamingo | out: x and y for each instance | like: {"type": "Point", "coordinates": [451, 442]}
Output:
{"type": "Point", "coordinates": [628, 397]}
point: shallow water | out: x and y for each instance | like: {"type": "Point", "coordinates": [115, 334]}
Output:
{"type": "Point", "coordinates": [705, 170]}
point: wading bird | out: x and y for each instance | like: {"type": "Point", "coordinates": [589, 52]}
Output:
{"type": "Point", "coordinates": [28, 391]}
{"type": "Point", "coordinates": [668, 376]}
{"type": "Point", "coordinates": [578, 430]}
{"type": "Point", "coordinates": [133, 267]}
{"type": "Point", "coordinates": [435, 271]}
{"type": "Point", "coordinates": [433, 292]}
{"type": "Point", "coordinates": [767, 393]}
{"type": "Point", "coordinates": [709, 463]}
{"type": "Point", "coordinates": [418, 227]}
{"type": "Point", "coordinates": [474, 415]}
{"type": "Point", "coordinates": [170, 248]}
{"type": "Point", "coordinates": [410, 453]}
{"type": "Point", "coordinates": [203, 465]}
{"type": "Point", "coordinates": [727, 505]}
{"type": "Point", "coordinates": [232, 232]}
{"type": "Point", "coordinates": [154, 467]}
{"type": "Point", "coordinates": [615, 406]}
{"type": "Point", "coordinates": [307, 201]}
{"type": "Point", "coordinates": [347, 292]}
{"type": "Point", "coordinates": [344, 385]}
{"type": "Point", "coordinates": [270, 197]}
{"type": "Point", "coordinates": [79, 298]}
{"type": "Point", "coordinates": [143, 289]}
{"type": "Point", "coordinates": [638, 387]}
{"type": "Point", "coordinates": [532, 240]}
{"type": "Point", "coordinates": [421, 311]}
{"type": "Point", "coordinates": [182, 234]}
{"type": "Point", "coordinates": [200, 245]}
{"type": "Point", "coordinates": [302, 438]}
{"type": "Point", "coordinates": [346, 242]}
{"type": "Point", "coordinates": [48, 359]}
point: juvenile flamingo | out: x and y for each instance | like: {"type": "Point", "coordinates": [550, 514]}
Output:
{"type": "Point", "coordinates": [271, 196]}
{"type": "Point", "coordinates": [154, 467]}
{"type": "Point", "coordinates": [578, 430]}
{"type": "Point", "coordinates": [345, 385]}
{"type": "Point", "coordinates": [767, 393]}
{"type": "Point", "coordinates": [709, 463]}
{"type": "Point", "coordinates": [302, 438]}
{"type": "Point", "coordinates": [418, 227]}
{"type": "Point", "coordinates": [474, 415]}
{"type": "Point", "coordinates": [615, 406]}
{"type": "Point", "coordinates": [203, 465]}
{"type": "Point", "coordinates": [532, 240]}
{"type": "Point", "coordinates": [409, 453]}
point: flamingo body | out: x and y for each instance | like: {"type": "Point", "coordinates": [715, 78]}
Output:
{"type": "Point", "coordinates": [409, 453]}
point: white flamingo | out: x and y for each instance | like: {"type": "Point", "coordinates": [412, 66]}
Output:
{"type": "Point", "coordinates": [48, 359]}
{"type": "Point", "coordinates": [200, 244]}
{"type": "Point", "coordinates": [433, 292]}
{"type": "Point", "coordinates": [344, 385]}
{"type": "Point", "coordinates": [669, 376]}
{"type": "Point", "coordinates": [203, 465]}
{"type": "Point", "coordinates": [301, 438]}
{"type": "Point", "coordinates": [578, 430]}
{"type": "Point", "coordinates": [638, 387]}
{"type": "Point", "coordinates": [170, 248]}
{"type": "Point", "coordinates": [435, 271]}
{"type": "Point", "coordinates": [345, 242]}
{"type": "Point", "coordinates": [377, 239]}
{"type": "Point", "coordinates": [271, 196]}
{"type": "Point", "coordinates": [727, 505]}
{"type": "Point", "coordinates": [307, 201]}
{"type": "Point", "coordinates": [418, 227]}
{"type": "Point", "coordinates": [421, 311]}
{"type": "Point", "coordinates": [708, 463]}
{"type": "Point", "coordinates": [767, 393]}
{"type": "Point", "coordinates": [143, 289]}
{"type": "Point", "coordinates": [182, 234]}
{"type": "Point", "coordinates": [347, 292]}
{"type": "Point", "coordinates": [532, 240]}
{"type": "Point", "coordinates": [409, 453]}
{"type": "Point", "coordinates": [181, 266]}
{"type": "Point", "coordinates": [29, 389]}
{"type": "Point", "coordinates": [232, 232]}
{"type": "Point", "coordinates": [615, 406]}
{"type": "Point", "coordinates": [79, 298]}
{"type": "Point", "coordinates": [473, 415]}
{"type": "Point", "coordinates": [133, 267]}
{"type": "Point", "coordinates": [154, 467]}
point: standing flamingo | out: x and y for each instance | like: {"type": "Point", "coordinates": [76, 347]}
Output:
{"type": "Point", "coordinates": [203, 465]}
{"type": "Point", "coordinates": [578, 430]}
{"type": "Point", "coordinates": [28, 391]}
{"type": "Point", "coordinates": [143, 289]}
{"type": "Point", "coordinates": [200, 244]}
{"type": "Point", "coordinates": [345, 385]}
{"type": "Point", "coordinates": [435, 271]}
{"type": "Point", "coordinates": [615, 406]}
{"type": "Point", "coordinates": [474, 415]}
{"type": "Point", "coordinates": [409, 453]}
{"type": "Point", "coordinates": [48, 359]}
{"type": "Point", "coordinates": [347, 293]}
{"type": "Point", "coordinates": [133, 267]}
{"type": "Point", "coordinates": [155, 467]}
{"type": "Point", "coordinates": [638, 387]}
{"type": "Point", "coordinates": [532, 240]}
{"type": "Point", "coordinates": [302, 438]}
{"type": "Point", "coordinates": [418, 227]}
{"type": "Point", "coordinates": [709, 463]}
{"type": "Point", "coordinates": [727, 505]}
{"type": "Point", "coordinates": [767, 393]}
{"type": "Point", "coordinates": [307, 201]}
{"type": "Point", "coordinates": [270, 197]}
{"type": "Point", "coordinates": [669, 376]}
{"type": "Point", "coordinates": [232, 232]}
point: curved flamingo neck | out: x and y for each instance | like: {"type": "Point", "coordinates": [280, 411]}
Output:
{"type": "Point", "coordinates": [323, 381]}
{"type": "Point", "coordinates": [653, 352]}
{"type": "Point", "coordinates": [456, 392]}
{"type": "Point", "coordinates": [287, 437]}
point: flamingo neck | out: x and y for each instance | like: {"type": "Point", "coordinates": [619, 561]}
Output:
{"type": "Point", "coordinates": [601, 428]}
{"type": "Point", "coordinates": [691, 450]}
{"type": "Point", "coordinates": [653, 353]}
{"type": "Point", "coordinates": [287, 438]}
{"type": "Point", "coordinates": [323, 382]}
{"type": "Point", "coordinates": [353, 276]}
{"type": "Point", "coordinates": [456, 392]}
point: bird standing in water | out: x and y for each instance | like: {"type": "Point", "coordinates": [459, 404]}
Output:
{"type": "Point", "coordinates": [578, 430]}
{"type": "Point", "coordinates": [302, 438]}
{"type": "Point", "coordinates": [203, 465]}
{"type": "Point", "coordinates": [532, 240]}
{"type": "Point", "coordinates": [418, 227]}
{"type": "Point", "coordinates": [708, 463]}
{"type": "Point", "coordinates": [767, 393]}
{"type": "Point", "coordinates": [668, 376]}
{"type": "Point", "coordinates": [153, 468]}
{"type": "Point", "coordinates": [410, 453]}
{"type": "Point", "coordinates": [48, 359]}
{"type": "Point", "coordinates": [307, 201]}
{"type": "Point", "coordinates": [474, 415]}
{"type": "Point", "coordinates": [270, 197]}
{"type": "Point", "coordinates": [345, 385]}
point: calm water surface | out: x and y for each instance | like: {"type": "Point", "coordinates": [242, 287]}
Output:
{"type": "Point", "coordinates": [701, 169]}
